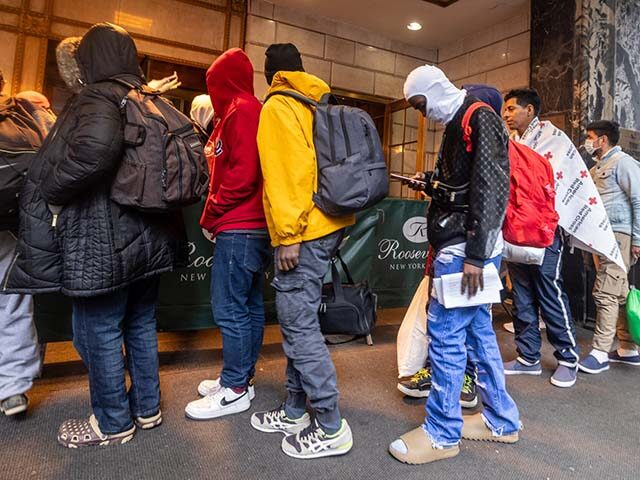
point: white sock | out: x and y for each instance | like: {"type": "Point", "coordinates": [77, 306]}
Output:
{"type": "Point", "coordinates": [600, 355]}
{"type": "Point", "coordinates": [623, 352]}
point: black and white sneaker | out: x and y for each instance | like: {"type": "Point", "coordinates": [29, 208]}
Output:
{"type": "Point", "coordinates": [276, 420]}
{"type": "Point", "coordinates": [224, 402]}
{"type": "Point", "coordinates": [313, 442]}
{"type": "Point", "coordinates": [418, 386]}
{"type": "Point", "coordinates": [469, 394]}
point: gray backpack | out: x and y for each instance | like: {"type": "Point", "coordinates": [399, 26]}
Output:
{"type": "Point", "coordinates": [163, 167]}
{"type": "Point", "coordinates": [352, 173]}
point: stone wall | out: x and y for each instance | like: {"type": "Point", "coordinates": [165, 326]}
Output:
{"type": "Point", "coordinates": [498, 56]}
{"type": "Point", "coordinates": [346, 57]}
{"type": "Point", "coordinates": [185, 32]}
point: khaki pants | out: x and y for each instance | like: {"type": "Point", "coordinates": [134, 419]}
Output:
{"type": "Point", "coordinates": [610, 296]}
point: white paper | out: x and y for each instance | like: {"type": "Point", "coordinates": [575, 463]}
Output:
{"type": "Point", "coordinates": [448, 289]}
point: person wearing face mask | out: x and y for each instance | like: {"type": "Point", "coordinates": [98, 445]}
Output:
{"type": "Point", "coordinates": [470, 191]}
{"type": "Point", "coordinates": [617, 177]}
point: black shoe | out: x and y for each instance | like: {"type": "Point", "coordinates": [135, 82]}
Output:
{"type": "Point", "coordinates": [14, 404]}
{"type": "Point", "coordinates": [469, 395]}
{"type": "Point", "coordinates": [417, 386]}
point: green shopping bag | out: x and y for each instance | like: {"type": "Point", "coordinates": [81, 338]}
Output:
{"type": "Point", "coordinates": [633, 313]}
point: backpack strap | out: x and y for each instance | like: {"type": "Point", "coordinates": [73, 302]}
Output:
{"type": "Point", "coordinates": [292, 94]}
{"type": "Point", "coordinates": [466, 123]}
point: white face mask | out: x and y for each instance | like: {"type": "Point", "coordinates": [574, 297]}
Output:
{"type": "Point", "coordinates": [444, 99]}
{"type": "Point", "coordinates": [590, 147]}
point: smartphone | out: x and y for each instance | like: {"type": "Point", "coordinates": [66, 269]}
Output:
{"type": "Point", "coordinates": [404, 179]}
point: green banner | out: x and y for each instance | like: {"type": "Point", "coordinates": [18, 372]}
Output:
{"type": "Point", "coordinates": [387, 246]}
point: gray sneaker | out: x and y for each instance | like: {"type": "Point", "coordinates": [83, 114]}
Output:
{"type": "Point", "coordinates": [313, 442]}
{"type": "Point", "coordinates": [276, 420]}
{"type": "Point", "coordinates": [14, 404]}
{"type": "Point", "coordinates": [517, 367]}
{"type": "Point", "coordinates": [564, 377]}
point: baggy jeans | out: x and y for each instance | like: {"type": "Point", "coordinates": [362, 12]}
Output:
{"type": "Point", "coordinates": [455, 334]}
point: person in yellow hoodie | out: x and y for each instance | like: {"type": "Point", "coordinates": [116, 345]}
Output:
{"type": "Point", "coordinates": [305, 239]}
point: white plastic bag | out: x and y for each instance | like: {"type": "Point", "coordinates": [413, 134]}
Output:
{"type": "Point", "coordinates": [526, 255]}
{"type": "Point", "coordinates": [412, 342]}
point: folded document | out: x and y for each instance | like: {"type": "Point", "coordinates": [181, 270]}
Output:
{"type": "Point", "coordinates": [448, 289]}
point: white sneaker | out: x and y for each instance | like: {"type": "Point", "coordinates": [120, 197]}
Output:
{"type": "Point", "coordinates": [224, 402]}
{"type": "Point", "coordinates": [209, 387]}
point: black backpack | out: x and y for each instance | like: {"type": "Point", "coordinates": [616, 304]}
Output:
{"type": "Point", "coordinates": [347, 308]}
{"type": "Point", "coordinates": [352, 173]}
{"type": "Point", "coordinates": [20, 139]}
{"type": "Point", "coordinates": [164, 166]}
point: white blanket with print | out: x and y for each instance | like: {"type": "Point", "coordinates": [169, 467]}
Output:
{"type": "Point", "coordinates": [582, 213]}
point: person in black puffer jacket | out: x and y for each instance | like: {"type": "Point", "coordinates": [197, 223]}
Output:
{"type": "Point", "coordinates": [73, 239]}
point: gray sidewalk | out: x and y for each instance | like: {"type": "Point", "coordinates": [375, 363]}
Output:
{"type": "Point", "coordinates": [590, 431]}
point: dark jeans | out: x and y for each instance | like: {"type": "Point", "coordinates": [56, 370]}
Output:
{"type": "Point", "coordinates": [100, 327]}
{"type": "Point", "coordinates": [310, 371]}
{"type": "Point", "coordinates": [539, 289]}
{"type": "Point", "coordinates": [237, 283]}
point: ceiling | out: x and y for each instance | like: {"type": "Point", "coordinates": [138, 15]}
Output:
{"type": "Point", "coordinates": [440, 26]}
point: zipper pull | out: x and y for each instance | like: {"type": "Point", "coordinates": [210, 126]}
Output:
{"type": "Point", "coordinates": [54, 221]}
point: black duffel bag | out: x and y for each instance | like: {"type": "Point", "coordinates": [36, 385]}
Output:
{"type": "Point", "coordinates": [346, 308]}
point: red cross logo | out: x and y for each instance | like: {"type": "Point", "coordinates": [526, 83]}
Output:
{"type": "Point", "coordinates": [583, 174]}
{"type": "Point", "coordinates": [559, 175]}
{"type": "Point", "coordinates": [593, 201]}
{"type": "Point", "coordinates": [548, 155]}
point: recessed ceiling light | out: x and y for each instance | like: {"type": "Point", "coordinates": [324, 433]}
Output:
{"type": "Point", "coordinates": [415, 26]}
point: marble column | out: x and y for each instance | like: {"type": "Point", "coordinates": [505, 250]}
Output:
{"type": "Point", "coordinates": [627, 64]}
{"type": "Point", "coordinates": [553, 31]}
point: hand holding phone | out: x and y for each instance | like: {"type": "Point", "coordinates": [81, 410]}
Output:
{"type": "Point", "coordinates": [414, 183]}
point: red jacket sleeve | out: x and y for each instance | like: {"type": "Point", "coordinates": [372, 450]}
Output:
{"type": "Point", "coordinates": [242, 165]}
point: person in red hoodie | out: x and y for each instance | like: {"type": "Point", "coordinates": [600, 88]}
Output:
{"type": "Point", "coordinates": [234, 216]}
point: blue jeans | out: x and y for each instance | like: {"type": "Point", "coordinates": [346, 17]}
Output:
{"type": "Point", "coordinates": [237, 283]}
{"type": "Point", "coordinates": [100, 326]}
{"type": "Point", "coordinates": [539, 289]}
{"type": "Point", "coordinates": [455, 334]}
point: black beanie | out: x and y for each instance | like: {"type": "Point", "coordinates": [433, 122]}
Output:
{"type": "Point", "coordinates": [281, 57]}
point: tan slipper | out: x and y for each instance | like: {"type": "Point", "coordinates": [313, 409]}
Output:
{"type": "Point", "coordinates": [416, 448]}
{"type": "Point", "coordinates": [475, 428]}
